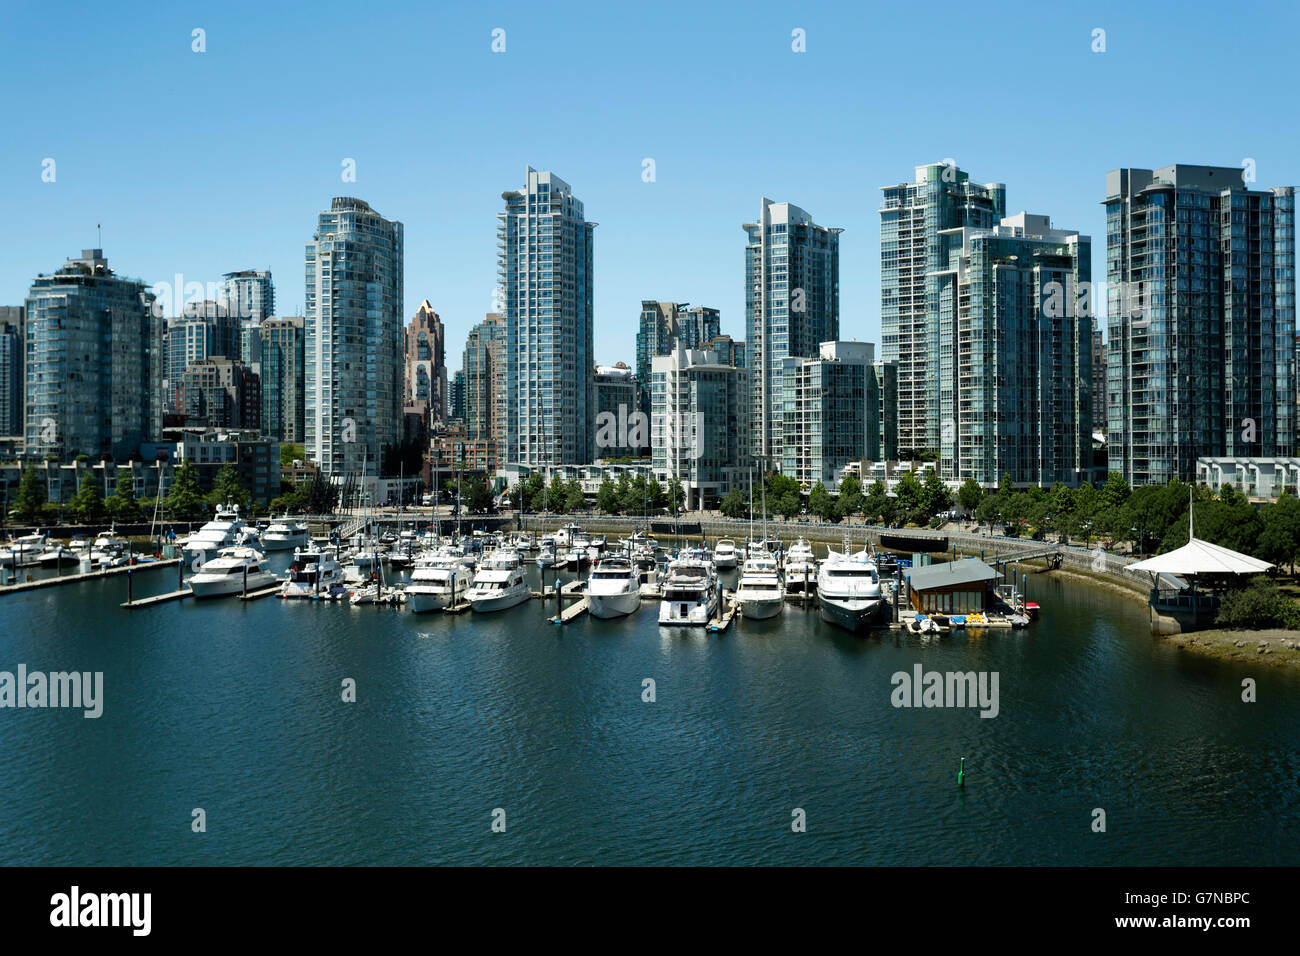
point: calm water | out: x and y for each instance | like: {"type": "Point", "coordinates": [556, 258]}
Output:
{"type": "Point", "coordinates": [235, 707]}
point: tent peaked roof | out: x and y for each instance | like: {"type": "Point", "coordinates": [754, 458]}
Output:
{"type": "Point", "coordinates": [1201, 557]}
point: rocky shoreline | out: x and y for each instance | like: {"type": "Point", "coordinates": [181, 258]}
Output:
{"type": "Point", "coordinates": [1272, 646]}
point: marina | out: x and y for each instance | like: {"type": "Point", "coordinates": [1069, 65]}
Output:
{"type": "Point", "coordinates": [461, 712]}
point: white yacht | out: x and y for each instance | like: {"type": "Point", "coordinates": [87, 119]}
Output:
{"type": "Point", "coordinates": [285, 534]}
{"type": "Point", "coordinates": [614, 588]}
{"type": "Point", "coordinates": [690, 591]}
{"type": "Point", "coordinates": [315, 572]}
{"type": "Point", "coordinates": [725, 554]}
{"type": "Point", "coordinates": [499, 583]}
{"type": "Point", "coordinates": [439, 580]}
{"type": "Point", "coordinates": [225, 574]}
{"type": "Point", "coordinates": [25, 551]}
{"type": "Point", "coordinates": [760, 593]}
{"type": "Point", "coordinates": [225, 530]}
{"type": "Point", "coordinates": [108, 551]}
{"type": "Point", "coordinates": [848, 590]}
{"type": "Point", "coordinates": [548, 555]}
{"type": "Point", "coordinates": [800, 566]}
{"type": "Point", "coordinates": [523, 541]}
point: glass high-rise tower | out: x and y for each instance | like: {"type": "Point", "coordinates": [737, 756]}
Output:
{"type": "Point", "coordinates": [1200, 352]}
{"type": "Point", "coordinates": [792, 305]}
{"type": "Point", "coordinates": [545, 271]}
{"type": "Point", "coordinates": [941, 196]}
{"type": "Point", "coordinates": [94, 362]}
{"type": "Point", "coordinates": [353, 339]}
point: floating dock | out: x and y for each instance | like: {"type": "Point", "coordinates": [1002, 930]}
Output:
{"type": "Point", "coordinates": [264, 592]}
{"type": "Point", "coordinates": [576, 609]}
{"type": "Point", "coordinates": [87, 576]}
{"type": "Point", "coordinates": [159, 599]}
{"type": "Point", "coordinates": [723, 621]}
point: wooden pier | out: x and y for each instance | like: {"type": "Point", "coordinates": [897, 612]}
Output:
{"type": "Point", "coordinates": [264, 592]}
{"type": "Point", "coordinates": [159, 599]}
{"type": "Point", "coordinates": [460, 608]}
{"type": "Point", "coordinates": [87, 576]}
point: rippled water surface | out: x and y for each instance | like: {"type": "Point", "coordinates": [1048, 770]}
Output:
{"type": "Point", "coordinates": [236, 708]}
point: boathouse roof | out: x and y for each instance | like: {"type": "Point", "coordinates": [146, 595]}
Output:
{"type": "Point", "coordinates": [949, 573]}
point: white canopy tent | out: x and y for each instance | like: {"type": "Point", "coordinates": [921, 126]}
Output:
{"type": "Point", "coordinates": [1200, 557]}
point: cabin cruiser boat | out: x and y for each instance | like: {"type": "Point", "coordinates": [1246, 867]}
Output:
{"type": "Point", "coordinates": [725, 554]}
{"type": "Point", "coordinates": [225, 530]}
{"type": "Point", "coordinates": [761, 549]}
{"type": "Point", "coordinates": [690, 591]}
{"type": "Point", "coordinates": [614, 588]}
{"type": "Point", "coordinates": [439, 580]}
{"type": "Point", "coordinates": [499, 583]}
{"type": "Point", "coordinates": [57, 556]}
{"type": "Point", "coordinates": [285, 534]}
{"type": "Point", "coordinates": [800, 566]}
{"type": "Point", "coordinates": [548, 556]}
{"type": "Point", "coordinates": [848, 590]}
{"type": "Point", "coordinates": [760, 592]}
{"type": "Point", "coordinates": [315, 572]}
{"type": "Point", "coordinates": [108, 551]}
{"type": "Point", "coordinates": [523, 541]}
{"type": "Point", "coordinates": [225, 574]}
{"type": "Point", "coordinates": [25, 551]}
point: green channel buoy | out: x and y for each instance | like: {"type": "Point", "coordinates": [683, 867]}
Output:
{"type": "Point", "coordinates": [961, 774]}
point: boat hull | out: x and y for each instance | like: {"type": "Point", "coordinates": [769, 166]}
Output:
{"type": "Point", "coordinates": [687, 614]}
{"type": "Point", "coordinates": [613, 605]}
{"type": "Point", "coordinates": [274, 543]}
{"type": "Point", "coordinates": [761, 610]}
{"type": "Point", "coordinates": [421, 601]}
{"type": "Point", "coordinates": [229, 584]}
{"type": "Point", "coordinates": [500, 602]}
{"type": "Point", "coordinates": [852, 614]}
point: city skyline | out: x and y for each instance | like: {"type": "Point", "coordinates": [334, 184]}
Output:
{"type": "Point", "coordinates": [156, 223]}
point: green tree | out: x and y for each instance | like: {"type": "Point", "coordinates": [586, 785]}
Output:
{"type": "Point", "coordinates": [574, 499]}
{"type": "Point", "coordinates": [969, 495]}
{"type": "Point", "coordinates": [1279, 542]}
{"type": "Point", "coordinates": [88, 503]}
{"type": "Point", "coordinates": [557, 495]}
{"type": "Point", "coordinates": [911, 497]}
{"type": "Point", "coordinates": [121, 503]}
{"type": "Point", "coordinates": [676, 493]}
{"type": "Point", "coordinates": [734, 504]}
{"type": "Point", "coordinates": [1260, 604]}
{"type": "Point", "coordinates": [821, 503]}
{"type": "Point", "coordinates": [607, 496]}
{"type": "Point", "coordinates": [935, 495]}
{"type": "Point", "coordinates": [477, 496]}
{"type": "Point", "coordinates": [185, 497]}
{"type": "Point", "coordinates": [849, 502]}
{"type": "Point", "coordinates": [31, 495]}
{"type": "Point", "coordinates": [783, 495]}
{"type": "Point", "coordinates": [876, 503]}
{"type": "Point", "coordinates": [226, 488]}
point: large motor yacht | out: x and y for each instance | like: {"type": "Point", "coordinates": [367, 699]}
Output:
{"type": "Point", "coordinates": [614, 588]}
{"type": "Point", "coordinates": [760, 593]}
{"type": "Point", "coordinates": [690, 590]}
{"type": "Point", "coordinates": [848, 590]}
{"type": "Point", "coordinates": [499, 583]}
{"type": "Point", "coordinates": [230, 572]}
{"type": "Point", "coordinates": [439, 580]}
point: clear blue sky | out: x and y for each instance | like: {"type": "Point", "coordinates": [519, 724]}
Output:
{"type": "Point", "coordinates": [203, 163]}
